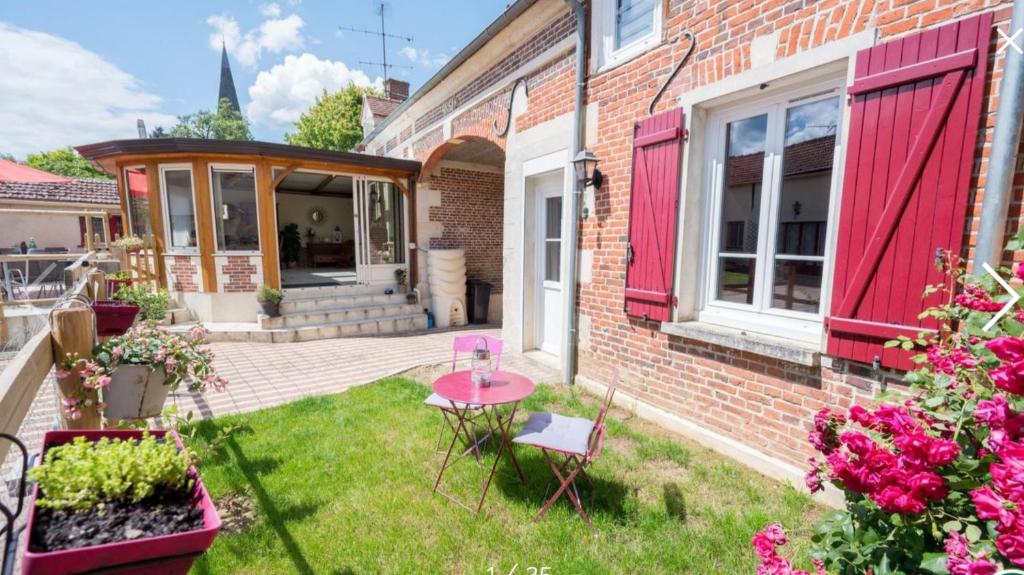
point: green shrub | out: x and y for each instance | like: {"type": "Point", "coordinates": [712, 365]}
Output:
{"type": "Point", "coordinates": [120, 276]}
{"type": "Point", "coordinates": [152, 304]}
{"type": "Point", "coordinates": [270, 294]}
{"type": "Point", "coordinates": [82, 474]}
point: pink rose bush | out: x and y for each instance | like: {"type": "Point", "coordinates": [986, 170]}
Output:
{"type": "Point", "coordinates": [933, 476]}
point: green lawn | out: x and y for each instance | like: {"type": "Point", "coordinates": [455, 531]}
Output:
{"type": "Point", "coordinates": [342, 485]}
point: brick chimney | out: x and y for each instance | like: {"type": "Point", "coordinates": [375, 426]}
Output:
{"type": "Point", "coordinates": [396, 90]}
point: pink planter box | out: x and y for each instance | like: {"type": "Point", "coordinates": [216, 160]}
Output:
{"type": "Point", "coordinates": [113, 318]}
{"type": "Point", "coordinates": [164, 555]}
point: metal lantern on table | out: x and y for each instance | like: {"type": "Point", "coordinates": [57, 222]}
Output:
{"type": "Point", "coordinates": [481, 364]}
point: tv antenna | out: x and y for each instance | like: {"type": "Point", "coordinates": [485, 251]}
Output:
{"type": "Point", "coordinates": [383, 35]}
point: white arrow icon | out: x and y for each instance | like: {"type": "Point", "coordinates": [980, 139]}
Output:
{"type": "Point", "coordinates": [1009, 290]}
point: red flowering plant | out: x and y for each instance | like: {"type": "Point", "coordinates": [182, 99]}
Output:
{"type": "Point", "coordinates": [933, 480]}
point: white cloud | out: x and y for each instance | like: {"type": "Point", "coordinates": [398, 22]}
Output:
{"type": "Point", "coordinates": [274, 35]}
{"type": "Point", "coordinates": [424, 58]}
{"type": "Point", "coordinates": [280, 95]}
{"type": "Point", "coordinates": [56, 93]}
{"type": "Point", "coordinates": [272, 10]}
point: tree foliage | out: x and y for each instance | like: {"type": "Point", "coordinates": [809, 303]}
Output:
{"type": "Point", "coordinates": [64, 162]}
{"type": "Point", "coordinates": [224, 124]}
{"type": "Point", "coordinates": [333, 121]}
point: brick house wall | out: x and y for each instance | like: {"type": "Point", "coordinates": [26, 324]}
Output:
{"type": "Point", "coordinates": [183, 273]}
{"type": "Point", "coordinates": [238, 273]}
{"type": "Point", "coordinates": [470, 213]}
{"type": "Point", "coordinates": [756, 400]}
{"type": "Point", "coordinates": [763, 402]}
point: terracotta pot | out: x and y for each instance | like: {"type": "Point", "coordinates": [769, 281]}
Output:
{"type": "Point", "coordinates": [271, 308]}
{"type": "Point", "coordinates": [135, 392]}
{"type": "Point", "coordinates": [164, 555]}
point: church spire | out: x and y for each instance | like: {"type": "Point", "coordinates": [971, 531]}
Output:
{"type": "Point", "coordinates": [227, 83]}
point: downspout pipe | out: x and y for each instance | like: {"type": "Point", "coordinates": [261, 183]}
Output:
{"type": "Point", "coordinates": [1005, 143]}
{"type": "Point", "coordinates": [569, 358]}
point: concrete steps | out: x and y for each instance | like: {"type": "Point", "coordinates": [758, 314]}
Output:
{"type": "Point", "coordinates": [309, 314]}
{"type": "Point", "coordinates": [252, 332]}
{"type": "Point", "coordinates": [339, 314]}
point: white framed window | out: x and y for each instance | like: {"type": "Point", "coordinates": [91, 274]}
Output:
{"type": "Point", "coordinates": [623, 29]}
{"type": "Point", "coordinates": [235, 209]}
{"type": "Point", "coordinates": [179, 208]}
{"type": "Point", "coordinates": [771, 192]}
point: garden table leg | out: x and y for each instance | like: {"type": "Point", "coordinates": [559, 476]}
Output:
{"type": "Point", "coordinates": [506, 445]}
{"type": "Point", "coordinates": [461, 416]}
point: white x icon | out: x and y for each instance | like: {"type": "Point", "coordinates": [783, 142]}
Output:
{"type": "Point", "coordinates": [1010, 41]}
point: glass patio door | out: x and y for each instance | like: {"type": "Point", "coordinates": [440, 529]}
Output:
{"type": "Point", "coordinates": [380, 223]}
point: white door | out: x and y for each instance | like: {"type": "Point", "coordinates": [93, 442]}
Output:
{"type": "Point", "coordinates": [549, 262]}
{"type": "Point", "coordinates": [381, 248]}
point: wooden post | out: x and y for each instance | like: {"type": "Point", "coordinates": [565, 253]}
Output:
{"type": "Point", "coordinates": [265, 195]}
{"type": "Point", "coordinates": [202, 194]}
{"type": "Point", "coordinates": [145, 270]}
{"type": "Point", "coordinates": [88, 233]}
{"type": "Point", "coordinates": [3, 325]}
{"type": "Point", "coordinates": [96, 284]}
{"type": "Point", "coordinates": [72, 334]}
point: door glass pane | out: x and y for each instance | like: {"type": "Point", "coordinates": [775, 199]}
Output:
{"type": "Point", "coordinates": [741, 207]}
{"type": "Point", "coordinates": [552, 239]}
{"type": "Point", "coordinates": [180, 208]}
{"type": "Point", "coordinates": [797, 285]}
{"type": "Point", "coordinates": [234, 204]}
{"type": "Point", "coordinates": [807, 158]}
{"type": "Point", "coordinates": [552, 253]}
{"type": "Point", "coordinates": [386, 236]}
{"type": "Point", "coordinates": [138, 201]}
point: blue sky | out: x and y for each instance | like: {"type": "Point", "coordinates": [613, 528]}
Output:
{"type": "Point", "coordinates": [79, 72]}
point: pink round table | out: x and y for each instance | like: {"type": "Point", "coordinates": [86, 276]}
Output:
{"type": "Point", "coordinates": [505, 388]}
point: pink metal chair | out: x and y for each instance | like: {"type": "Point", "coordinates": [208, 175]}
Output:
{"type": "Point", "coordinates": [577, 439]}
{"type": "Point", "coordinates": [466, 344]}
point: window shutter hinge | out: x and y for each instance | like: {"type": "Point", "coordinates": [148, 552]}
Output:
{"type": "Point", "coordinates": [675, 301]}
{"type": "Point", "coordinates": [686, 135]}
{"type": "Point", "coordinates": [629, 253]}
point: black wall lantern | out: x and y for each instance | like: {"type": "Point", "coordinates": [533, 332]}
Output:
{"type": "Point", "coordinates": [587, 173]}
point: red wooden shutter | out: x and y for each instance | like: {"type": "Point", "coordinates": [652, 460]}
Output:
{"type": "Point", "coordinates": [653, 202]}
{"type": "Point", "coordinates": [914, 121]}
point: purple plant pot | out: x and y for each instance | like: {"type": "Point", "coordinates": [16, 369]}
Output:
{"type": "Point", "coordinates": [164, 555]}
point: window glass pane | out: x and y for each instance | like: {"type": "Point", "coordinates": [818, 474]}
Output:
{"type": "Point", "coordinates": [797, 285]}
{"type": "Point", "coordinates": [552, 255]}
{"type": "Point", "coordinates": [807, 177]}
{"type": "Point", "coordinates": [138, 201]}
{"type": "Point", "coordinates": [387, 236]}
{"type": "Point", "coordinates": [736, 279]}
{"type": "Point", "coordinates": [634, 19]}
{"type": "Point", "coordinates": [234, 203]}
{"type": "Point", "coordinates": [807, 159]}
{"type": "Point", "coordinates": [744, 172]}
{"type": "Point", "coordinates": [180, 208]}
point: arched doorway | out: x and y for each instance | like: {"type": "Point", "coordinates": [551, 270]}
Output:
{"type": "Point", "coordinates": [461, 205]}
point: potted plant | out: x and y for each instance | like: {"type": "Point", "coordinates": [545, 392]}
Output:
{"type": "Point", "coordinates": [291, 244]}
{"type": "Point", "coordinates": [125, 500]}
{"type": "Point", "coordinates": [114, 317]}
{"type": "Point", "coordinates": [401, 277]}
{"type": "Point", "coordinates": [116, 281]}
{"type": "Point", "coordinates": [136, 371]}
{"type": "Point", "coordinates": [152, 303]}
{"type": "Point", "coordinates": [130, 243]}
{"type": "Point", "coordinates": [270, 300]}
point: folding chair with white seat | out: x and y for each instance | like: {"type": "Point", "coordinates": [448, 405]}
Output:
{"type": "Point", "coordinates": [578, 439]}
{"type": "Point", "coordinates": [466, 343]}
